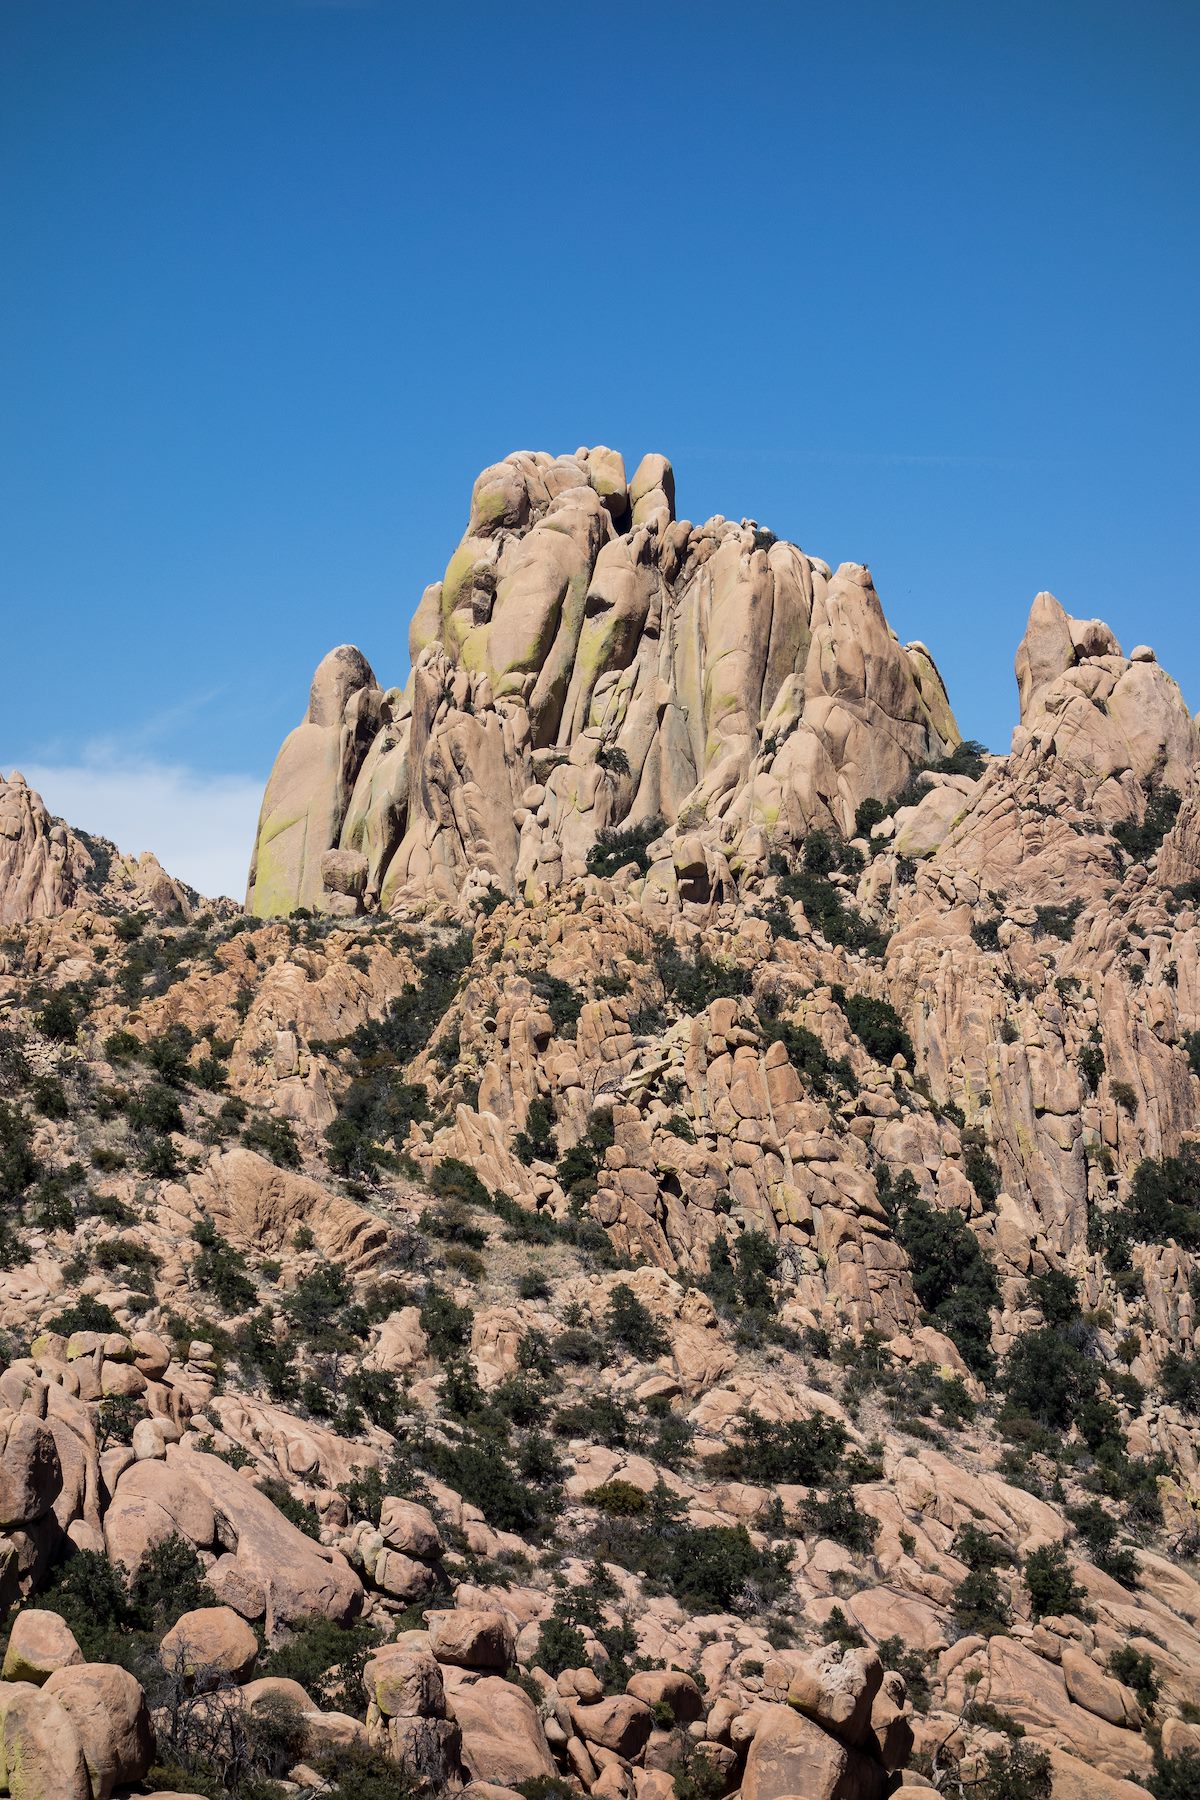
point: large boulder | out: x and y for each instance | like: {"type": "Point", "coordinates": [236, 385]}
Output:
{"type": "Point", "coordinates": [473, 1639]}
{"type": "Point", "coordinates": [38, 1644]}
{"type": "Point", "coordinates": [210, 1644]}
{"type": "Point", "coordinates": [502, 1736]}
{"type": "Point", "coordinates": [41, 1751]}
{"type": "Point", "coordinates": [790, 1755]}
{"type": "Point", "coordinates": [210, 1503]}
{"type": "Point", "coordinates": [108, 1709]}
{"type": "Point", "coordinates": [30, 1471]}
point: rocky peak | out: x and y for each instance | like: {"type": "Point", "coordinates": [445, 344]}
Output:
{"type": "Point", "coordinates": [589, 661]}
{"type": "Point", "coordinates": [46, 867]}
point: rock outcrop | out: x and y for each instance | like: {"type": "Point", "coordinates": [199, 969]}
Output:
{"type": "Point", "coordinates": [46, 867]}
{"type": "Point", "coordinates": [589, 662]}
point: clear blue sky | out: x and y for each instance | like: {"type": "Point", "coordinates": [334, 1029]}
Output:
{"type": "Point", "coordinates": [912, 283]}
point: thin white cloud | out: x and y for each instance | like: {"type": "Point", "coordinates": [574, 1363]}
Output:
{"type": "Point", "coordinates": [200, 827]}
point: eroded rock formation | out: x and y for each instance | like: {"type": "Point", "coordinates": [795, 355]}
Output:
{"type": "Point", "coordinates": [588, 661]}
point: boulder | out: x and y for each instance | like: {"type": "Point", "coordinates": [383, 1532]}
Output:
{"type": "Point", "coordinates": [38, 1738]}
{"type": "Point", "coordinates": [475, 1640]}
{"type": "Point", "coordinates": [669, 1687]}
{"type": "Point", "coordinates": [836, 1689]}
{"type": "Point", "coordinates": [210, 1644]}
{"type": "Point", "coordinates": [790, 1755]}
{"type": "Point", "coordinates": [30, 1472]}
{"type": "Point", "coordinates": [39, 1643]}
{"type": "Point", "coordinates": [620, 1723]}
{"type": "Point", "coordinates": [108, 1709]}
{"type": "Point", "coordinates": [502, 1736]}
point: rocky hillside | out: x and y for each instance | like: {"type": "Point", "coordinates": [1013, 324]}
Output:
{"type": "Point", "coordinates": [673, 1268]}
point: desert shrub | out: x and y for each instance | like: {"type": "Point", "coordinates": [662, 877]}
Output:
{"type": "Point", "coordinates": [19, 1167]}
{"type": "Point", "coordinates": [693, 983]}
{"type": "Point", "coordinates": [986, 932]}
{"type": "Point", "coordinates": [953, 1279]}
{"type": "Point", "coordinates": [1163, 1202]}
{"type": "Point", "coordinates": [1057, 921]}
{"type": "Point", "coordinates": [614, 848]}
{"type": "Point", "coordinates": [837, 1516]}
{"type": "Point", "coordinates": [327, 1660]}
{"type": "Point", "coordinates": [1099, 1532]}
{"type": "Point", "coordinates": [1047, 1376]}
{"type": "Point", "coordinates": [57, 1018]}
{"type": "Point", "coordinates": [297, 1512]}
{"type": "Point", "coordinates": [49, 1098]}
{"type": "Point", "coordinates": [1090, 1061]}
{"type": "Point", "coordinates": [1056, 1295]}
{"type": "Point", "coordinates": [1137, 1672]}
{"type": "Point", "coordinates": [1180, 1378]}
{"type": "Point", "coordinates": [1017, 1772]}
{"type": "Point", "coordinates": [824, 907]}
{"type": "Point", "coordinates": [619, 1498]}
{"type": "Point", "coordinates": [1141, 840]}
{"type": "Point", "coordinates": [220, 1270]}
{"type": "Point", "coordinates": [273, 1137]}
{"type": "Point", "coordinates": [445, 1323]}
{"type": "Point", "coordinates": [1052, 1588]}
{"type": "Point", "coordinates": [1175, 1777]}
{"type": "Point", "coordinates": [867, 815]}
{"type": "Point", "coordinates": [483, 1475]}
{"type": "Point", "coordinates": [801, 1451]}
{"type": "Point", "coordinates": [716, 1568]}
{"type": "Point", "coordinates": [579, 1168]}
{"type": "Point", "coordinates": [979, 1609]}
{"type": "Point", "coordinates": [981, 1170]}
{"type": "Point", "coordinates": [809, 1057]}
{"type": "Point", "coordinates": [632, 1326]}
{"type": "Point", "coordinates": [85, 1314]}
{"type": "Point", "coordinates": [537, 1143]}
{"type": "Point", "coordinates": [563, 1002]}
{"type": "Point", "coordinates": [156, 1109]}
{"type": "Point", "coordinates": [877, 1026]}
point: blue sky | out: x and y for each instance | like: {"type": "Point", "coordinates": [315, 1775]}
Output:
{"type": "Point", "coordinates": [911, 283]}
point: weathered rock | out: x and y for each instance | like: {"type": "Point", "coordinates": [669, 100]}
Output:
{"type": "Point", "coordinates": [502, 1737]}
{"type": "Point", "coordinates": [39, 1643]}
{"type": "Point", "coordinates": [108, 1709]}
{"type": "Point", "coordinates": [475, 1640]}
{"type": "Point", "coordinates": [791, 1755]}
{"type": "Point", "coordinates": [210, 1644]}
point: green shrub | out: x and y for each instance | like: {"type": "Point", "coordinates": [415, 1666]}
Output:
{"type": "Point", "coordinates": [632, 1326]}
{"type": "Point", "coordinates": [1140, 841]}
{"type": "Point", "coordinates": [979, 1610]}
{"type": "Point", "coordinates": [954, 1281]}
{"type": "Point", "coordinates": [837, 1516]}
{"type": "Point", "coordinates": [446, 1324]}
{"type": "Point", "coordinates": [877, 1026]}
{"type": "Point", "coordinates": [327, 1660]}
{"type": "Point", "coordinates": [1180, 1378]}
{"type": "Point", "coordinates": [275, 1138]}
{"type": "Point", "coordinates": [1057, 921]}
{"type": "Point", "coordinates": [1163, 1203]}
{"type": "Point", "coordinates": [804, 1452]}
{"type": "Point", "coordinates": [57, 1019]}
{"type": "Point", "coordinates": [1056, 1295]}
{"type": "Point", "coordinates": [693, 983]}
{"type": "Point", "coordinates": [1175, 1777]}
{"type": "Point", "coordinates": [1137, 1672]}
{"type": "Point", "coordinates": [86, 1314]}
{"type": "Point", "coordinates": [614, 848]}
{"type": "Point", "coordinates": [1052, 1588]}
{"type": "Point", "coordinates": [220, 1270]}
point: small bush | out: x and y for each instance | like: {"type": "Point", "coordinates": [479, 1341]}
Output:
{"type": "Point", "coordinates": [1052, 1588]}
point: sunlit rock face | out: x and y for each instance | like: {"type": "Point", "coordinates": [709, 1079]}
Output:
{"type": "Point", "coordinates": [589, 661]}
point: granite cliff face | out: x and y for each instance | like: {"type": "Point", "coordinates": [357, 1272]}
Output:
{"type": "Point", "coordinates": [680, 1252]}
{"type": "Point", "coordinates": [588, 661]}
